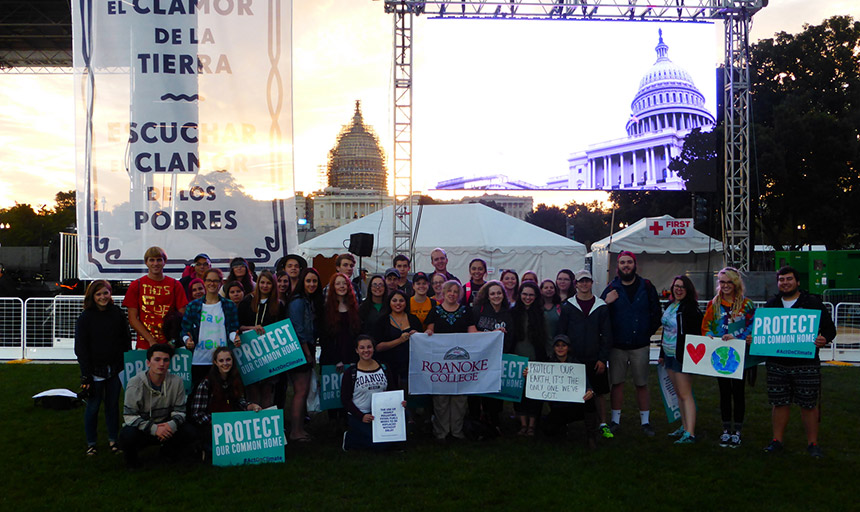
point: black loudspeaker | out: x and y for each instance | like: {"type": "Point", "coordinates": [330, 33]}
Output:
{"type": "Point", "coordinates": [361, 244]}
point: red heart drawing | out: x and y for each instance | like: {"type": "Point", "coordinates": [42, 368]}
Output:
{"type": "Point", "coordinates": [696, 352]}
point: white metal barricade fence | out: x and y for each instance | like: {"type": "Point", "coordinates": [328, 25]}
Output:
{"type": "Point", "coordinates": [44, 328]}
{"type": "Point", "coordinates": [49, 326]}
{"type": "Point", "coordinates": [11, 328]}
{"type": "Point", "coordinates": [847, 345]}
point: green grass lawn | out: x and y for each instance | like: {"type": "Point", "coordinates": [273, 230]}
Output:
{"type": "Point", "coordinates": [44, 466]}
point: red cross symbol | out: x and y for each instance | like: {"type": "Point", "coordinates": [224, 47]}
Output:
{"type": "Point", "coordinates": [656, 228]}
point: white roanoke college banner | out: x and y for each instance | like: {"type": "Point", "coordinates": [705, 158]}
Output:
{"type": "Point", "coordinates": [183, 128]}
{"type": "Point", "coordinates": [455, 364]}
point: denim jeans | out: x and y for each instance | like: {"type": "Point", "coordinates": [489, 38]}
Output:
{"type": "Point", "coordinates": [107, 391]}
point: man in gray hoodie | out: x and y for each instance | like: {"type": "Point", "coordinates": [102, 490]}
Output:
{"type": "Point", "coordinates": [154, 409]}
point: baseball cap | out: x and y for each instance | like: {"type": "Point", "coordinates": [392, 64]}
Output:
{"type": "Point", "coordinates": [583, 274]}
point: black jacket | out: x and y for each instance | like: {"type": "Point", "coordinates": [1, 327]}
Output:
{"type": "Point", "coordinates": [101, 339]}
{"type": "Point", "coordinates": [590, 336]}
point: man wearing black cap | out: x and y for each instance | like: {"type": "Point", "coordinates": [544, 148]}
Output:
{"type": "Point", "coordinates": [635, 311]}
{"type": "Point", "coordinates": [202, 263]}
{"type": "Point", "coordinates": [292, 264]}
{"type": "Point", "coordinates": [392, 280]}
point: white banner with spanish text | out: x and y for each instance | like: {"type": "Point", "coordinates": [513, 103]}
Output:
{"type": "Point", "coordinates": [183, 128]}
{"type": "Point", "coordinates": [455, 364]}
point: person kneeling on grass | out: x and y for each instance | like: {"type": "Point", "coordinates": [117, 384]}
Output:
{"type": "Point", "coordinates": [360, 382]}
{"type": "Point", "coordinates": [562, 413]}
{"type": "Point", "coordinates": [154, 409]}
{"type": "Point", "coordinates": [220, 391]}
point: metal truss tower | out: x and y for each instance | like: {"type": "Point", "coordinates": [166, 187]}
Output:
{"type": "Point", "coordinates": [735, 14]}
{"type": "Point", "coordinates": [402, 179]}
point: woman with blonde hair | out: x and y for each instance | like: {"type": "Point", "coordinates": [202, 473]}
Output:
{"type": "Point", "coordinates": [730, 316]}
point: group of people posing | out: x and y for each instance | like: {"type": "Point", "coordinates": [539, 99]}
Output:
{"type": "Point", "coordinates": [364, 327]}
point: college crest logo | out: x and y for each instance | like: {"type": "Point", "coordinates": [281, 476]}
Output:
{"type": "Point", "coordinates": [456, 354]}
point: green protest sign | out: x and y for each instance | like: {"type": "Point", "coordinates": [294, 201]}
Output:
{"type": "Point", "coordinates": [275, 351]}
{"type": "Point", "coordinates": [513, 381]}
{"type": "Point", "coordinates": [781, 332]}
{"type": "Point", "coordinates": [247, 437]}
{"type": "Point", "coordinates": [134, 362]}
{"type": "Point", "coordinates": [330, 380]}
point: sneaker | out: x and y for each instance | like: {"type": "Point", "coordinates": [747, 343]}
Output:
{"type": "Point", "coordinates": [647, 430]}
{"type": "Point", "coordinates": [678, 433]}
{"type": "Point", "coordinates": [614, 427]}
{"type": "Point", "coordinates": [736, 439]}
{"type": "Point", "coordinates": [605, 431]}
{"type": "Point", "coordinates": [343, 445]}
{"type": "Point", "coordinates": [686, 438]}
{"type": "Point", "coordinates": [774, 447]}
{"type": "Point", "coordinates": [725, 439]}
{"type": "Point", "coordinates": [815, 450]}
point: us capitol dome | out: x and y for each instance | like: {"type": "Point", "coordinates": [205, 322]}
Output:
{"type": "Point", "coordinates": [667, 106]}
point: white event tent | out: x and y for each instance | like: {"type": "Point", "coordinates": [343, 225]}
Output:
{"type": "Point", "coordinates": [465, 231]}
{"type": "Point", "coordinates": [664, 247]}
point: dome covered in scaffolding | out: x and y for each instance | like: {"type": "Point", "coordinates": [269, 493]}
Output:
{"type": "Point", "coordinates": [667, 99]}
{"type": "Point", "coordinates": [357, 160]}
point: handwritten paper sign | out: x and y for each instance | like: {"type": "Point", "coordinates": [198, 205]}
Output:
{"type": "Point", "coordinates": [714, 357]}
{"type": "Point", "coordinates": [784, 332]}
{"type": "Point", "coordinates": [556, 382]}
{"type": "Point", "coordinates": [389, 417]}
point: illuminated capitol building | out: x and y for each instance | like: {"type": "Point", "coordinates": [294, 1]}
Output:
{"type": "Point", "coordinates": [667, 106]}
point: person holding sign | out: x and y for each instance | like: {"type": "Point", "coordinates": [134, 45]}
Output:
{"type": "Point", "coordinates": [358, 386]}
{"type": "Point", "coordinates": [220, 391]}
{"type": "Point", "coordinates": [529, 333]}
{"type": "Point", "coordinates": [563, 413]}
{"type": "Point", "coordinates": [209, 322]}
{"type": "Point", "coordinates": [586, 322]}
{"type": "Point", "coordinates": [392, 333]}
{"type": "Point", "coordinates": [682, 316]}
{"type": "Point", "coordinates": [793, 379]}
{"type": "Point", "coordinates": [730, 315]}
{"type": "Point", "coordinates": [154, 409]}
{"type": "Point", "coordinates": [257, 310]}
{"type": "Point", "coordinates": [306, 308]}
{"type": "Point", "coordinates": [492, 312]}
{"type": "Point", "coordinates": [150, 299]}
{"type": "Point", "coordinates": [101, 339]}
{"type": "Point", "coordinates": [449, 411]}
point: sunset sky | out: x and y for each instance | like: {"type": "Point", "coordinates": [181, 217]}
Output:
{"type": "Point", "coordinates": [342, 51]}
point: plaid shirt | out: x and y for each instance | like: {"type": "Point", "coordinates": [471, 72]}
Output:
{"type": "Point", "coordinates": [200, 412]}
{"type": "Point", "coordinates": [191, 319]}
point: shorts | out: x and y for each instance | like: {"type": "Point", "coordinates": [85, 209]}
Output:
{"type": "Point", "coordinates": [637, 358]}
{"type": "Point", "coordinates": [799, 384]}
{"type": "Point", "coordinates": [670, 363]}
{"type": "Point", "coordinates": [599, 383]}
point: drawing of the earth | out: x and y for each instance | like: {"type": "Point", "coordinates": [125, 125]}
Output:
{"type": "Point", "coordinates": [725, 360]}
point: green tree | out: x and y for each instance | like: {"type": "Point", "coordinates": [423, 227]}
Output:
{"type": "Point", "coordinates": [590, 221]}
{"type": "Point", "coordinates": [551, 218]}
{"type": "Point", "coordinates": [806, 107]}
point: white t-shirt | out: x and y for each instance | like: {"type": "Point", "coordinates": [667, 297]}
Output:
{"type": "Point", "coordinates": [789, 303]}
{"type": "Point", "coordinates": [213, 333]}
{"type": "Point", "coordinates": [366, 384]}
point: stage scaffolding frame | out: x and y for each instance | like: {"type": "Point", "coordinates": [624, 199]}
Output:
{"type": "Point", "coordinates": [736, 16]}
